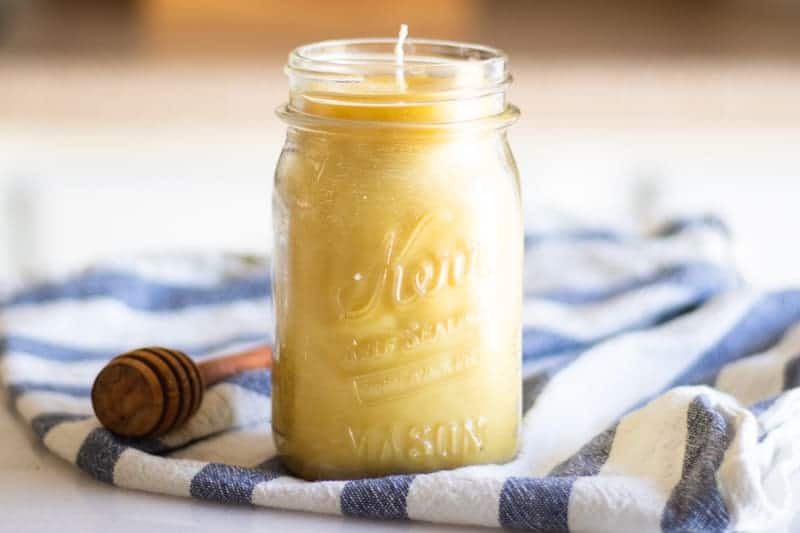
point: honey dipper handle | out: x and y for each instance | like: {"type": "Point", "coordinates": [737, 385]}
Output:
{"type": "Point", "coordinates": [215, 370]}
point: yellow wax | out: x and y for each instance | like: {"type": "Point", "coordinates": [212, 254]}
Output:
{"type": "Point", "coordinates": [398, 294]}
{"type": "Point", "coordinates": [384, 100]}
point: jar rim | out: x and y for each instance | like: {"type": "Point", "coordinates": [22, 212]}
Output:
{"type": "Point", "coordinates": [350, 61]}
{"type": "Point", "coordinates": [433, 83]}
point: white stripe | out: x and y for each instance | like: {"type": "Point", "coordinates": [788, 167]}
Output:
{"type": "Point", "coordinates": [760, 376]}
{"type": "Point", "coordinates": [296, 494]}
{"type": "Point", "coordinates": [782, 418]}
{"type": "Point", "coordinates": [649, 445]}
{"type": "Point", "coordinates": [33, 404]}
{"type": "Point", "coordinates": [650, 442]}
{"type": "Point", "coordinates": [19, 367]}
{"type": "Point", "coordinates": [755, 478]}
{"type": "Point", "coordinates": [66, 439]}
{"type": "Point", "coordinates": [246, 447]}
{"type": "Point", "coordinates": [182, 269]}
{"type": "Point", "coordinates": [619, 504]}
{"type": "Point", "coordinates": [101, 323]}
{"type": "Point", "coordinates": [590, 321]}
{"type": "Point", "coordinates": [590, 394]}
{"type": "Point", "coordinates": [137, 470]}
{"type": "Point", "coordinates": [539, 365]}
{"type": "Point", "coordinates": [456, 497]}
{"type": "Point", "coordinates": [195, 269]}
{"type": "Point", "coordinates": [598, 264]}
{"type": "Point", "coordinates": [224, 406]}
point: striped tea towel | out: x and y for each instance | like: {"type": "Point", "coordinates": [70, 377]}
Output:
{"type": "Point", "coordinates": [659, 393]}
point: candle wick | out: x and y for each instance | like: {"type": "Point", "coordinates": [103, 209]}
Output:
{"type": "Point", "coordinates": [398, 56]}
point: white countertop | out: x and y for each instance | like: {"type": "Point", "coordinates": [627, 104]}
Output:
{"type": "Point", "coordinates": [41, 493]}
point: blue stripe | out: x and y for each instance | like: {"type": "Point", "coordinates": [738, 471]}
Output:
{"type": "Point", "coordinates": [70, 354]}
{"type": "Point", "coordinates": [140, 293]}
{"type": "Point", "coordinates": [42, 424]}
{"type": "Point", "coordinates": [274, 466]}
{"type": "Point", "coordinates": [55, 352]}
{"type": "Point", "coordinates": [761, 406]}
{"type": "Point", "coordinates": [254, 380]}
{"type": "Point", "coordinates": [574, 235]}
{"type": "Point", "coordinates": [791, 374]}
{"type": "Point", "coordinates": [534, 383]}
{"type": "Point", "coordinates": [15, 390]}
{"type": "Point", "coordinates": [532, 387]}
{"type": "Point", "coordinates": [383, 498]}
{"type": "Point", "coordinates": [538, 343]}
{"type": "Point", "coordinates": [99, 454]}
{"type": "Point", "coordinates": [101, 449]}
{"type": "Point", "coordinates": [537, 504]}
{"type": "Point", "coordinates": [709, 379]}
{"type": "Point", "coordinates": [679, 225]}
{"type": "Point", "coordinates": [591, 457]}
{"type": "Point", "coordinates": [229, 484]}
{"type": "Point", "coordinates": [705, 278]}
{"type": "Point", "coordinates": [763, 325]}
{"type": "Point", "coordinates": [668, 229]}
{"type": "Point", "coordinates": [695, 503]}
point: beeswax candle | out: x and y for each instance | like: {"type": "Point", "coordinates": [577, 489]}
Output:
{"type": "Point", "coordinates": [397, 269]}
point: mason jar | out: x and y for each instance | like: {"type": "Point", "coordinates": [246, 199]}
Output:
{"type": "Point", "coordinates": [397, 269]}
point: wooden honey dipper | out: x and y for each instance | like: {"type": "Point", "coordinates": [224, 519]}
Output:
{"type": "Point", "coordinates": [150, 391]}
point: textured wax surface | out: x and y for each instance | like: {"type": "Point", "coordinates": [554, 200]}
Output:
{"type": "Point", "coordinates": [398, 273]}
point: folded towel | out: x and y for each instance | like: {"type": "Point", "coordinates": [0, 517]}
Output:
{"type": "Point", "coordinates": [659, 391]}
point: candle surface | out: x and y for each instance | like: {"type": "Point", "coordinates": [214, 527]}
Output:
{"type": "Point", "coordinates": [397, 280]}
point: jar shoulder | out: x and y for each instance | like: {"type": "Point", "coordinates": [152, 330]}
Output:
{"type": "Point", "coordinates": [343, 164]}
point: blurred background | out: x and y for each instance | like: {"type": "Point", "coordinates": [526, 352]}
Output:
{"type": "Point", "coordinates": [129, 125]}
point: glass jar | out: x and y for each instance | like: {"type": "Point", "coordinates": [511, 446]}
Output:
{"type": "Point", "coordinates": [398, 261]}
